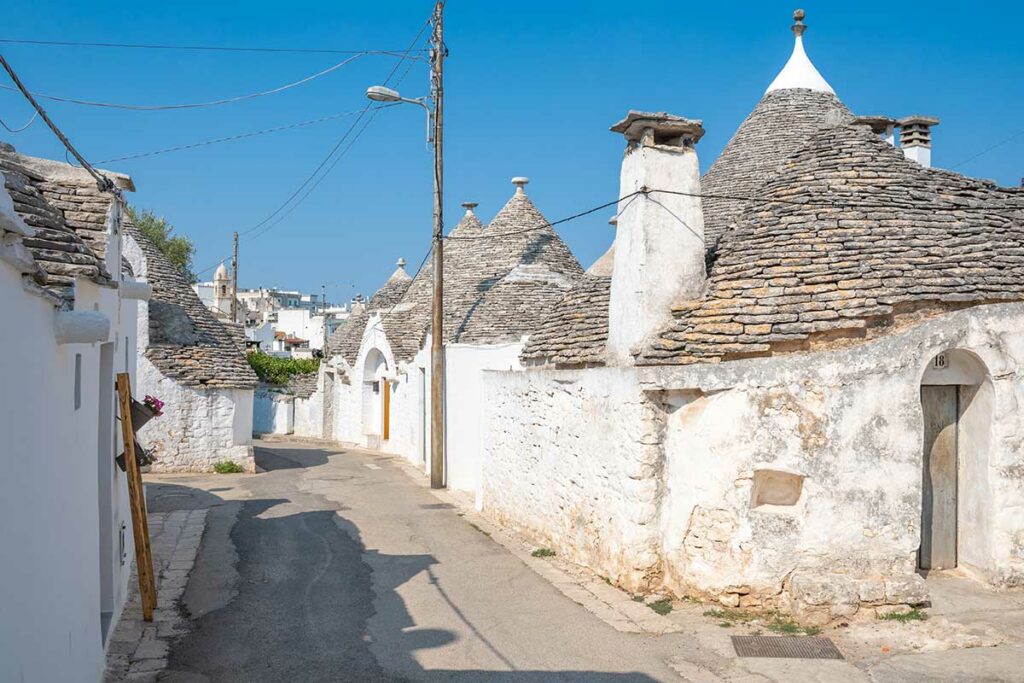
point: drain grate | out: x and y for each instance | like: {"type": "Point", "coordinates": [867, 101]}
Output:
{"type": "Point", "coordinates": [789, 647]}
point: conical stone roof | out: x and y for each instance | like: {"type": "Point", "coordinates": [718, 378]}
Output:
{"type": "Point", "coordinates": [346, 340]}
{"type": "Point", "coordinates": [499, 281]}
{"type": "Point", "coordinates": [798, 104]}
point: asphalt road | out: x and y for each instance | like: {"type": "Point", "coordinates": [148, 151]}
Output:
{"type": "Point", "coordinates": [336, 566]}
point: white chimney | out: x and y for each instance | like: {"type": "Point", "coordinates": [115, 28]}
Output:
{"type": "Point", "coordinates": [659, 240]}
{"type": "Point", "coordinates": [916, 138]}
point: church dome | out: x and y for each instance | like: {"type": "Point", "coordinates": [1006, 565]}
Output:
{"type": "Point", "coordinates": [221, 273]}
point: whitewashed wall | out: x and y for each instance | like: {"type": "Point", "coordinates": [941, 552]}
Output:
{"type": "Point", "coordinates": [464, 388]}
{"type": "Point", "coordinates": [308, 420]}
{"type": "Point", "coordinates": [62, 499]}
{"type": "Point", "coordinates": [199, 427]}
{"type": "Point", "coordinates": [647, 477]}
{"type": "Point", "coordinates": [565, 462]}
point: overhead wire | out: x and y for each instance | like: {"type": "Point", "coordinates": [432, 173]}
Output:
{"type": "Point", "coordinates": [210, 103]}
{"type": "Point", "coordinates": [102, 181]}
{"type": "Point", "coordinates": [207, 48]}
{"type": "Point", "coordinates": [988, 149]}
{"type": "Point", "coordinates": [32, 120]}
{"type": "Point", "coordinates": [331, 154]}
{"type": "Point", "coordinates": [231, 138]}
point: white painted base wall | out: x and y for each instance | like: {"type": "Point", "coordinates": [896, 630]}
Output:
{"type": "Point", "coordinates": [646, 475]}
{"type": "Point", "coordinates": [62, 499]}
{"type": "Point", "coordinates": [199, 427]}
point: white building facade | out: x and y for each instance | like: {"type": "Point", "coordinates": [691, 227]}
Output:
{"type": "Point", "coordinates": [70, 312]}
{"type": "Point", "coordinates": [820, 417]}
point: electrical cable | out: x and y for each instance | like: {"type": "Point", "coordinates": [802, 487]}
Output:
{"type": "Point", "coordinates": [197, 105]}
{"type": "Point", "coordinates": [32, 120]}
{"type": "Point", "coordinates": [240, 136]}
{"type": "Point", "coordinates": [330, 154]}
{"type": "Point", "coordinates": [207, 48]}
{"type": "Point", "coordinates": [102, 181]}
{"type": "Point", "coordinates": [988, 149]}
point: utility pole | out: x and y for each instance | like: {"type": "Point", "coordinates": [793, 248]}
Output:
{"type": "Point", "coordinates": [234, 282]}
{"type": "Point", "coordinates": [323, 314]}
{"type": "Point", "coordinates": [437, 426]}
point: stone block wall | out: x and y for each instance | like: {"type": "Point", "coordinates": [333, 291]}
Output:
{"type": "Point", "coordinates": [199, 427]}
{"type": "Point", "coordinates": [567, 460]}
{"type": "Point", "coordinates": [792, 481]}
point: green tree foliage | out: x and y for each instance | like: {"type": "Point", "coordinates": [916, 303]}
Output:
{"type": "Point", "coordinates": [276, 370]}
{"type": "Point", "coordinates": [177, 248]}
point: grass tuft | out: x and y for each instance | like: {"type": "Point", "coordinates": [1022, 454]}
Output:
{"type": "Point", "coordinates": [661, 607]}
{"type": "Point", "coordinates": [227, 467]}
{"type": "Point", "coordinates": [543, 552]}
{"type": "Point", "coordinates": [904, 617]}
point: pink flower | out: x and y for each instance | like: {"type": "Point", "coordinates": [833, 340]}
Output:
{"type": "Point", "coordinates": [154, 404]}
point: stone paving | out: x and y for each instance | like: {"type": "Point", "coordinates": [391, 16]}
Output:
{"type": "Point", "coordinates": [138, 649]}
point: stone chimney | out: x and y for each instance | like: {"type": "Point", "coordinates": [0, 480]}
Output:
{"type": "Point", "coordinates": [916, 138]}
{"type": "Point", "coordinates": [659, 237]}
{"type": "Point", "coordinates": [882, 126]}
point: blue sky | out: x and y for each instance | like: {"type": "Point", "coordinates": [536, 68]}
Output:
{"type": "Point", "coordinates": [531, 86]}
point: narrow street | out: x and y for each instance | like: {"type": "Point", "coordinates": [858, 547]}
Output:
{"type": "Point", "coordinates": [337, 566]}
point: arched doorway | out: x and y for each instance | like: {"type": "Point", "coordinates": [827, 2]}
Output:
{"type": "Point", "coordinates": [374, 389]}
{"type": "Point", "coordinates": [956, 406]}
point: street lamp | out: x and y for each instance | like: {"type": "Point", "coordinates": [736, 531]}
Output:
{"type": "Point", "coordinates": [380, 93]}
{"type": "Point", "coordinates": [435, 129]}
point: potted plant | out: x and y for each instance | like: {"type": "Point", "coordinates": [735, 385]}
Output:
{"type": "Point", "coordinates": [146, 410]}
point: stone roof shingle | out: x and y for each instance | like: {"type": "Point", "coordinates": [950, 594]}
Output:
{"type": "Point", "coordinates": [854, 235]}
{"type": "Point", "coordinates": [781, 123]}
{"type": "Point", "coordinates": [186, 342]}
{"type": "Point", "coordinates": [68, 213]}
{"type": "Point", "coordinates": [346, 340]}
{"type": "Point", "coordinates": [500, 281]}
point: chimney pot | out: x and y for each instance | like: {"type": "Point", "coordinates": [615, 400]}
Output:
{"type": "Point", "coordinates": [916, 138]}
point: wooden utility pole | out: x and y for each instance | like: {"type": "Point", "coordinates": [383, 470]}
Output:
{"type": "Point", "coordinates": [323, 314]}
{"type": "Point", "coordinates": [234, 282]}
{"type": "Point", "coordinates": [437, 427]}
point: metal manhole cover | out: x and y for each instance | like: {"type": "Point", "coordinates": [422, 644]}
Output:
{"type": "Point", "coordinates": [789, 647]}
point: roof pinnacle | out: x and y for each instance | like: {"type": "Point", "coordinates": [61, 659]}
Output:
{"type": "Point", "coordinates": [798, 22]}
{"type": "Point", "coordinates": [799, 73]}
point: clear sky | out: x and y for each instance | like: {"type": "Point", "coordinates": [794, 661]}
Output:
{"type": "Point", "coordinates": [531, 86]}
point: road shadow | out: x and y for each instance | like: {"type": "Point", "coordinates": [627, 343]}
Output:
{"type": "Point", "coordinates": [296, 594]}
{"type": "Point", "coordinates": [273, 460]}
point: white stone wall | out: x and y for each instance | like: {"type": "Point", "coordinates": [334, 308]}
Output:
{"type": "Point", "coordinates": [62, 499]}
{"type": "Point", "coordinates": [464, 387]}
{"type": "Point", "coordinates": [308, 420]}
{"type": "Point", "coordinates": [565, 461]}
{"type": "Point", "coordinates": [199, 427]}
{"type": "Point", "coordinates": [648, 478]}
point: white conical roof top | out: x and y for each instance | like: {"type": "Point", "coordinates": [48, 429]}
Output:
{"type": "Point", "coordinates": [799, 72]}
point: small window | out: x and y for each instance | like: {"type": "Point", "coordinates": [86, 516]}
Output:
{"type": "Point", "coordinates": [776, 488]}
{"type": "Point", "coordinates": [78, 381]}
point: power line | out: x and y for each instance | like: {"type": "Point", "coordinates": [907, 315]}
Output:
{"type": "Point", "coordinates": [197, 105]}
{"type": "Point", "coordinates": [240, 136]}
{"type": "Point", "coordinates": [988, 149]}
{"type": "Point", "coordinates": [326, 159]}
{"type": "Point", "coordinates": [370, 106]}
{"type": "Point", "coordinates": [32, 120]}
{"type": "Point", "coordinates": [104, 182]}
{"type": "Point", "coordinates": [206, 48]}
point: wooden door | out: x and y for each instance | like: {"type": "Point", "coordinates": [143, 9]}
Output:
{"type": "Point", "coordinates": [939, 505]}
{"type": "Point", "coordinates": [387, 409]}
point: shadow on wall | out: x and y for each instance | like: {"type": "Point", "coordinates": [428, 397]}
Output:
{"type": "Point", "coordinates": [299, 599]}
